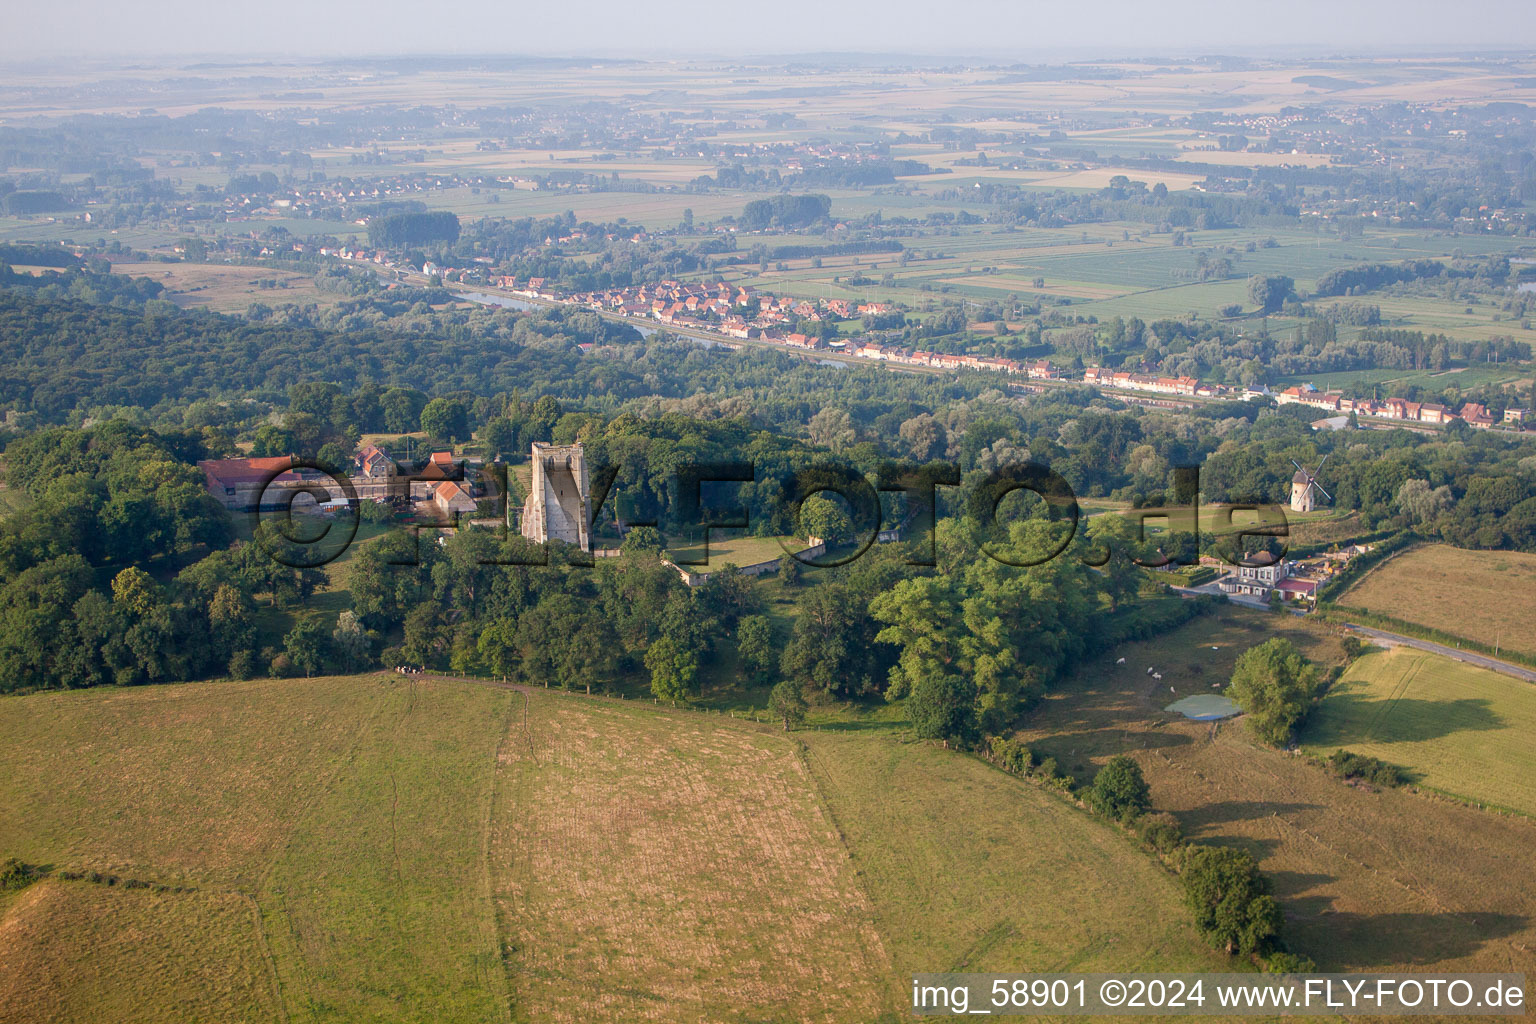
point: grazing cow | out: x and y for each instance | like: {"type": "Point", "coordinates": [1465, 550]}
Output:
{"type": "Point", "coordinates": [1120, 662]}
{"type": "Point", "coordinates": [1158, 676]}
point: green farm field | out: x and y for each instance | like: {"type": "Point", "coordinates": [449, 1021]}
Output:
{"type": "Point", "coordinates": [1451, 590]}
{"type": "Point", "coordinates": [1457, 728]}
{"type": "Point", "coordinates": [390, 849]}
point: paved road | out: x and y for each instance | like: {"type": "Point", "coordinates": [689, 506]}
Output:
{"type": "Point", "coordinates": [1389, 639]}
{"type": "Point", "coordinates": [1481, 661]}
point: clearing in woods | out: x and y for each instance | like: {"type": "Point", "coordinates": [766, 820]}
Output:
{"type": "Point", "coordinates": [734, 547]}
{"type": "Point", "coordinates": [228, 289]}
{"type": "Point", "coordinates": [1448, 589]}
{"type": "Point", "coordinates": [1387, 880]}
{"type": "Point", "coordinates": [1458, 728]}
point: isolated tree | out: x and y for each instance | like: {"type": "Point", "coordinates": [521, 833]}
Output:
{"type": "Point", "coordinates": [757, 646]}
{"type": "Point", "coordinates": [1273, 683]}
{"type": "Point", "coordinates": [1230, 898]}
{"type": "Point", "coordinates": [1269, 291]}
{"type": "Point", "coordinates": [787, 703]}
{"type": "Point", "coordinates": [1119, 790]}
{"type": "Point", "coordinates": [789, 569]}
{"type": "Point", "coordinates": [306, 646]}
{"type": "Point", "coordinates": [673, 669]}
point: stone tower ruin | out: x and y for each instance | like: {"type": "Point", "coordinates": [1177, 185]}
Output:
{"type": "Point", "coordinates": [558, 506]}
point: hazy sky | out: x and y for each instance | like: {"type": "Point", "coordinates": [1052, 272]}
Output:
{"type": "Point", "coordinates": [1026, 29]}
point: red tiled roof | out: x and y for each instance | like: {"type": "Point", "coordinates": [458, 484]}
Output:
{"type": "Point", "coordinates": [229, 472]}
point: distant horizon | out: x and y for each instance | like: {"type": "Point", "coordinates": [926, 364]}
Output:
{"type": "Point", "coordinates": [988, 30]}
{"type": "Point", "coordinates": [1059, 57]}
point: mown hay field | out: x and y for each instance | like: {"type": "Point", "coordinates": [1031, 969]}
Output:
{"type": "Point", "coordinates": [88, 951]}
{"type": "Point", "coordinates": [1457, 728]}
{"type": "Point", "coordinates": [656, 866]}
{"type": "Point", "coordinates": [1487, 596]}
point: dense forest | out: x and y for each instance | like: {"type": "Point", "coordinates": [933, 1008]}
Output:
{"type": "Point", "coordinates": [118, 567]}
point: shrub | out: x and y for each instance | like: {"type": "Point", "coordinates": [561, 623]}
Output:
{"type": "Point", "coordinates": [14, 875]}
{"type": "Point", "coordinates": [1360, 766]}
{"type": "Point", "coordinates": [280, 667]}
{"type": "Point", "coordinates": [1011, 755]}
{"type": "Point", "coordinates": [1288, 963]}
{"type": "Point", "coordinates": [1162, 832]}
{"type": "Point", "coordinates": [1119, 790]}
{"type": "Point", "coordinates": [789, 570]}
{"type": "Point", "coordinates": [242, 664]}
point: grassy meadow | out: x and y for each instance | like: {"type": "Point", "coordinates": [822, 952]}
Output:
{"type": "Point", "coordinates": [736, 548]}
{"type": "Point", "coordinates": [1388, 880]}
{"type": "Point", "coordinates": [386, 849]}
{"type": "Point", "coordinates": [85, 951]}
{"type": "Point", "coordinates": [227, 289]}
{"type": "Point", "coordinates": [969, 870]}
{"type": "Point", "coordinates": [1457, 728]}
{"type": "Point", "coordinates": [1451, 590]}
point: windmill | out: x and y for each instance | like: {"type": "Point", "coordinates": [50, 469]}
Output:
{"type": "Point", "coordinates": [1303, 486]}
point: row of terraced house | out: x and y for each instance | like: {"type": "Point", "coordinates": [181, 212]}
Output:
{"type": "Point", "coordinates": [740, 311]}
{"type": "Point", "coordinates": [1474, 414]}
{"type": "Point", "coordinates": [1191, 386]}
